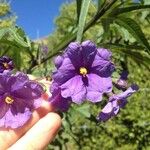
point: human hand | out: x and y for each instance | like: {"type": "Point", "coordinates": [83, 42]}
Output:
{"type": "Point", "coordinates": [36, 133]}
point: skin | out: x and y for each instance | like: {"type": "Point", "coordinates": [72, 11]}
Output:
{"type": "Point", "coordinates": [36, 133]}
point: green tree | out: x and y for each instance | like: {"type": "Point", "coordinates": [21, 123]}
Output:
{"type": "Point", "coordinates": [6, 17]}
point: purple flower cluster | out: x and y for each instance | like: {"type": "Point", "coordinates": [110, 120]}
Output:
{"type": "Point", "coordinates": [19, 96]}
{"type": "Point", "coordinates": [84, 73]}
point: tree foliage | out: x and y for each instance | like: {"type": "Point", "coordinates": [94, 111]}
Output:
{"type": "Point", "coordinates": [120, 25]}
{"type": "Point", "coordinates": [6, 17]}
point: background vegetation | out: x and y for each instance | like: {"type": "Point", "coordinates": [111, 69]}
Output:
{"type": "Point", "coordinates": [120, 25]}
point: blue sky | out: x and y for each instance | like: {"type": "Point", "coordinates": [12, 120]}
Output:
{"type": "Point", "coordinates": [36, 17]}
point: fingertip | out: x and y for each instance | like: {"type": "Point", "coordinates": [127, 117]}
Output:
{"type": "Point", "coordinates": [55, 119]}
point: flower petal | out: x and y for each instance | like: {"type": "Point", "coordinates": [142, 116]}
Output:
{"type": "Point", "coordinates": [3, 83]}
{"type": "Point", "coordinates": [17, 82]}
{"type": "Point", "coordinates": [19, 105]}
{"type": "Point", "coordinates": [65, 71]}
{"type": "Point", "coordinates": [121, 83]}
{"type": "Point", "coordinates": [104, 53]}
{"type": "Point", "coordinates": [106, 112]}
{"type": "Point", "coordinates": [108, 108]}
{"type": "Point", "coordinates": [116, 110]}
{"type": "Point", "coordinates": [15, 121]}
{"type": "Point", "coordinates": [57, 100]}
{"type": "Point", "coordinates": [102, 64]}
{"type": "Point", "coordinates": [88, 53]}
{"type": "Point", "coordinates": [103, 116]}
{"type": "Point", "coordinates": [66, 65]}
{"type": "Point", "coordinates": [75, 89]}
{"type": "Point", "coordinates": [62, 76]}
{"type": "Point", "coordinates": [127, 93]}
{"type": "Point", "coordinates": [75, 55]}
{"type": "Point", "coordinates": [94, 96]}
{"type": "Point", "coordinates": [54, 87]}
{"type": "Point", "coordinates": [4, 108]}
{"type": "Point", "coordinates": [29, 91]}
{"type": "Point", "coordinates": [58, 61]}
{"type": "Point", "coordinates": [11, 81]}
{"type": "Point", "coordinates": [124, 75]}
{"type": "Point", "coordinates": [81, 55]}
{"type": "Point", "coordinates": [61, 104]}
{"type": "Point", "coordinates": [36, 89]}
{"type": "Point", "coordinates": [97, 86]}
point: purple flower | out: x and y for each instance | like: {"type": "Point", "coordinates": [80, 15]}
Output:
{"type": "Point", "coordinates": [6, 63]}
{"type": "Point", "coordinates": [57, 100]}
{"type": "Point", "coordinates": [84, 72]}
{"type": "Point", "coordinates": [115, 103]}
{"type": "Point", "coordinates": [122, 82]}
{"type": "Point", "coordinates": [19, 97]}
{"type": "Point", "coordinates": [44, 49]}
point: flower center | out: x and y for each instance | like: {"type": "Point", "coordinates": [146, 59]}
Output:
{"type": "Point", "coordinates": [6, 65]}
{"type": "Point", "coordinates": [9, 100]}
{"type": "Point", "coordinates": [83, 71]}
{"type": "Point", "coordinates": [119, 102]}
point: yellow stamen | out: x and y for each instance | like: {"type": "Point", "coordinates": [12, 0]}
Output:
{"type": "Point", "coordinates": [9, 100]}
{"type": "Point", "coordinates": [83, 71]}
{"type": "Point", "coordinates": [6, 65]}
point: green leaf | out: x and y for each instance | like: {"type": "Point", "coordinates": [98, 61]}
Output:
{"type": "Point", "coordinates": [139, 58]}
{"type": "Point", "coordinates": [134, 29]}
{"type": "Point", "coordinates": [13, 33]}
{"type": "Point", "coordinates": [82, 18]}
{"type": "Point", "coordinates": [121, 46]}
{"type": "Point", "coordinates": [3, 32]}
{"type": "Point", "coordinates": [100, 3]}
{"type": "Point", "coordinates": [119, 11]}
{"type": "Point", "coordinates": [17, 58]}
{"type": "Point", "coordinates": [134, 52]}
{"type": "Point", "coordinates": [79, 3]}
{"type": "Point", "coordinates": [84, 110]}
{"type": "Point", "coordinates": [106, 23]}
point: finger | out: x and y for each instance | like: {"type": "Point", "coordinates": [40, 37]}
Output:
{"type": "Point", "coordinates": [9, 136]}
{"type": "Point", "coordinates": [38, 137]}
